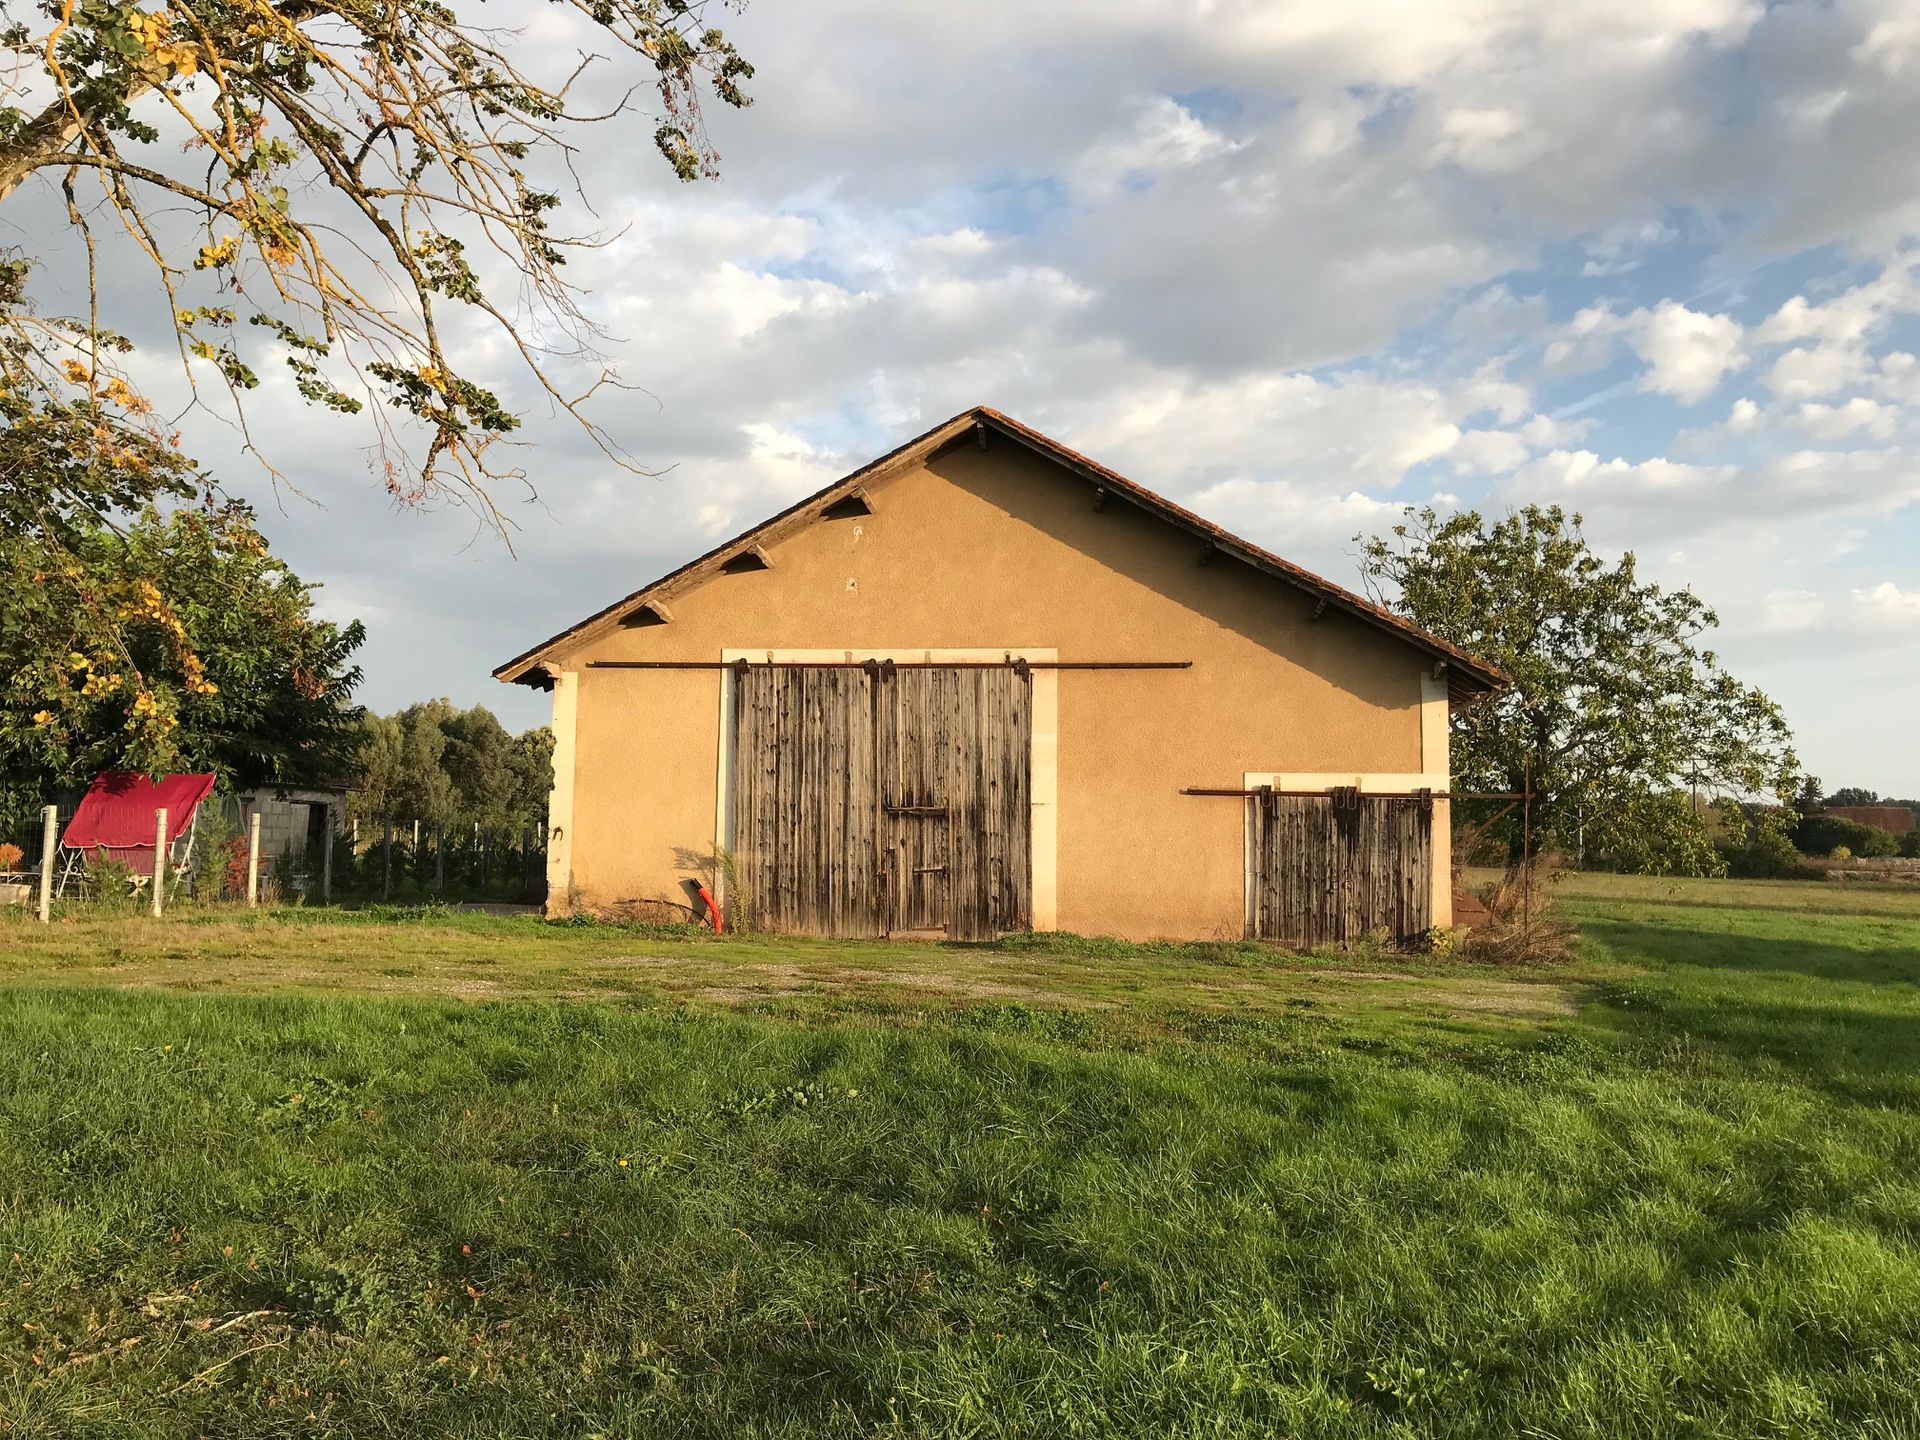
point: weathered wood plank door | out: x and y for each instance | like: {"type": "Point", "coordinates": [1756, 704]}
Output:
{"type": "Point", "coordinates": [805, 828]}
{"type": "Point", "coordinates": [954, 748]}
{"type": "Point", "coordinates": [869, 800]}
{"type": "Point", "coordinates": [1328, 869]}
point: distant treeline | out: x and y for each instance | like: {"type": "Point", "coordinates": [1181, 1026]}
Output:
{"type": "Point", "coordinates": [1855, 795]}
{"type": "Point", "coordinates": [438, 764]}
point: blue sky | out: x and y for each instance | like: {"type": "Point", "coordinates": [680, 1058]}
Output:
{"type": "Point", "coordinates": [1294, 264]}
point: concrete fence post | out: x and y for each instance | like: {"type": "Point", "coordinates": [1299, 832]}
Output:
{"type": "Point", "coordinates": [326, 862]}
{"type": "Point", "coordinates": [253, 859]}
{"type": "Point", "coordinates": [159, 860]}
{"type": "Point", "coordinates": [49, 842]}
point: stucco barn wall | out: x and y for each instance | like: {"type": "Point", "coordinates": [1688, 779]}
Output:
{"type": "Point", "coordinates": [1000, 549]}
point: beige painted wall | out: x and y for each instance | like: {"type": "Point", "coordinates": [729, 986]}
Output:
{"type": "Point", "coordinates": [1000, 549]}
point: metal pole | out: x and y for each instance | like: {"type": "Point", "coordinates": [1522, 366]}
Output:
{"type": "Point", "coordinates": [253, 860]}
{"type": "Point", "coordinates": [1526, 847]}
{"type": "Point", "coordinates": [159, 859]}
{"type": "Point", "coordinates": [49, 840]}
{"type": "Point", "coordinates": [896, 664]}
{"type": "Point", "coordinates": [326, 861]}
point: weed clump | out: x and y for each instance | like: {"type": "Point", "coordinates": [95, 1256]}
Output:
{"type": "Point", "coordinates": [1523, 926]}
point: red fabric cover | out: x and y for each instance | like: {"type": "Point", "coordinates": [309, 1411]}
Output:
{"type": "Point", "coordinates": [116, 814]}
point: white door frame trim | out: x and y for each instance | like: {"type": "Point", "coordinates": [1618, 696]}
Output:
{"type": "Point", "coordinates": [566, 715]}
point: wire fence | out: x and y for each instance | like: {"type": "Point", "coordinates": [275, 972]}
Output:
{"type": "Point", "coordinates": [399, 862]}
{"type": "Point", "coordinates": [313, 862]}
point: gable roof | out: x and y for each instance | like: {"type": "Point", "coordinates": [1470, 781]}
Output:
{"type": "Point", "coordinates": [1467, 676]}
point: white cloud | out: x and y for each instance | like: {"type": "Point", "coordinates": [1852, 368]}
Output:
{"type": "Point", "coordinates": [1836, 422]}
{"type": "Point", "coordinates": [1809, 370]}
{"type": "Point", "coordinates": [1621, 248]}
{"type": "Point", "coordinates": [1350, 429]}
{"type": "Point", "coordinates": [1165, 136]}
{"type": "Point", "coordinates": [1579, 473]}
{"type": "Point", "coordinates": [1584, 343]}
{"type": "Point", "coordinates": [1686, 352]}
{"type": "Point", "coordinates": [1491, 141]}
{"type": "Point", "coordinates": [1891, 45]}
{"type": "Point", "coordinates": [1786, 611]}
{"type": "Point", "coordinates": [1488, 452]}
{"type": "Point", "coordinates": [1886, 604]}
{"type": "Point", "coordinates": [1497, 315]}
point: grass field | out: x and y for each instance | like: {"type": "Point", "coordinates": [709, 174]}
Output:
{"type": "Point", "coordinates": [386, 1176]}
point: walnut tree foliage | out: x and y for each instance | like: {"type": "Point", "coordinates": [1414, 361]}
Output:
{"type": "Point", "coordinates": [338, 185]}
{"type": "Point", "coordinates": [1623, 722]}
{"type": "Point", "coordinates": [361, 191]}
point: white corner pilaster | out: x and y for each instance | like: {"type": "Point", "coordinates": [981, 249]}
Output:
{"type": "Point", "coordinates": [566, 715]}
{"type": "Point", "coordinates": [1436, 759]}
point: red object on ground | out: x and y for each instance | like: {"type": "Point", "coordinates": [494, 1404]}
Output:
{"type": "Point", "coordinates": [116, 814]}
{"type": "Point", "coordinates": [713, 911]}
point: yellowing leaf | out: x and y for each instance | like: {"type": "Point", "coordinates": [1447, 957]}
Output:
{"type": "Point", "coordinates": [217, 254]}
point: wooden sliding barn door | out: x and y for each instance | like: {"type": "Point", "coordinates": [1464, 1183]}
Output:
{"type": "Point", "coordinates": [1328, 869]}
{"type": "Point", "coordinates": [871, 799]}
{"type": "Point", "coordinates": [954, 749]}
{"type": "Point", "coordinates": [805, 826]}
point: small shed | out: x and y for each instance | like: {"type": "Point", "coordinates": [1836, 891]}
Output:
{"type": "Point", "coordinates": [294, 820]}
{"type": "Point", "coordinates": [985, 684]}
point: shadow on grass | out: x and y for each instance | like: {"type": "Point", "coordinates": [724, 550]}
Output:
{"type": "Point", "coordinates": [1668, 945]}
{"type": "Point", "coordinates": [1816, 900]}
{"type": "Point", "coordinates": [1747, 1001]}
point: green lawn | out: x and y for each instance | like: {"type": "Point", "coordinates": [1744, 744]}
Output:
{"type": "Point", "coordinates": [377, 1176]}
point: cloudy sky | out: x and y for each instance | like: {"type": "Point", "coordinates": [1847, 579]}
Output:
{"type": "Point", "coordinates": [1296, 265]}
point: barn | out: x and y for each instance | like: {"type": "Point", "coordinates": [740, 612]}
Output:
{"type": "Point", "coordinates": [985, 684]}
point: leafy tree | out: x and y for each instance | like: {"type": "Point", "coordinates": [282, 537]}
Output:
{"type": "Point", "coordinates": [1620, 721]}
{"type": "Point", "coordinates": [438, 764]}
{"type": "Point", "coordinates": [177, 641]}
{"type": "Point", "coordinates": [1756, 841]}
{"type": "Point", "coordinates": [352, 185]}
{"type": "Point", "coordinates": [531, 772]}
{"type": "Point", "coordinates": [424, 791]}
